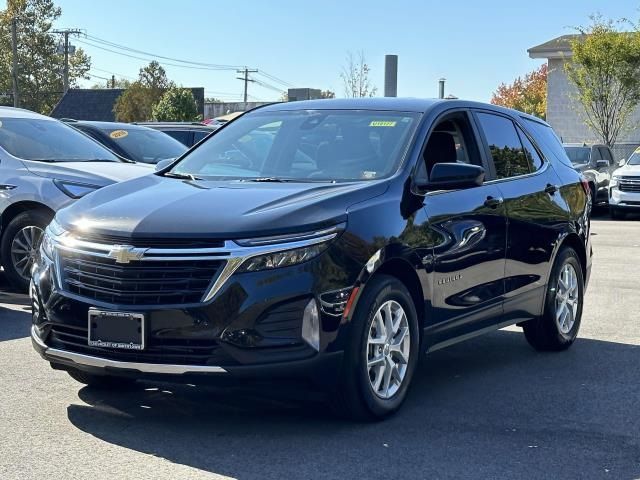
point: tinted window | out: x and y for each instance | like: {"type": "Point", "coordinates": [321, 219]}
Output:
{"type": "Point", "coordinates": [300, 144]}
{"type": "Point", "coordinates": [508, 155]}
{"type": "Point", "coordinates": [146, 145]}
{"type": "Point", "coordinates": [197, 136]}
{"type": "Point", "coordinates": [548, 141]}
{"type": "Point", "coordinates": [49, 140]}
{"type": "Point", "coordinates": [578, 155]}
{"type": "Point", "coordinates": [535, 161]}
{"type": "Point", "coordinates": [182, 136]}
{"type": "Point", "coordinates": [605, 153]}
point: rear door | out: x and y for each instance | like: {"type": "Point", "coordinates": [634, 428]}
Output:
{"type": "Point", "coordinates": [534, 209]}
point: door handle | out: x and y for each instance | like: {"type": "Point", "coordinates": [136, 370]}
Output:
{"type": "Point", "coordinates": [493, 202]}
{"type": "Point", "coordinates": [551, 189]}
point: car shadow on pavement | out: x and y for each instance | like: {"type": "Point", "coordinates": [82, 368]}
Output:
{"type": "Point", "coordinates": [487, 408]}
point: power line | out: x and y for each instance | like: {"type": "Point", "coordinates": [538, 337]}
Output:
{"type": "Point", "coordinates": [274, 78]}
{"type": "Point", "coordinates": [211, 66]}
{"type": "Point", "coordinates": [126, 77]}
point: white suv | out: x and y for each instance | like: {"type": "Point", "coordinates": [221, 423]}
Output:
{"type": "Point", "coordinates": [624, 188]}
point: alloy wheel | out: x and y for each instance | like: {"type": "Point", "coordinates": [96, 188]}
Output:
{"type": "Point", "coordinates": [24, 249]}
{"type": "Point", "coordinates": [388, 348]}
{"type": "Point", "coordinates": [567, 298]}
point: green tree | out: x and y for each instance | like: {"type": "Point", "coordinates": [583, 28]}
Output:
{"type": "Point", "coordinates": [605, 69]}
{"type": "Point", "coordinates": [119, 83]}
{"type": "Point", "coordinates": [528, 94]}
{"type": "Point", "coordinates": [327, 94]}
{"type": "Point", "coordinates": [40, 64]}
{"type": "Point", "coordinates": [176, 105]}
{"type": "Point", "coordinates": [137, 101]}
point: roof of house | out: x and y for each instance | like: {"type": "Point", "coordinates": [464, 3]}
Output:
{"type": "Point", "coordinates": [88, 104]}
{"type": "Point", "coordinates": [97, 103]}
{"type": "Point", "coordinates": [556, 48]}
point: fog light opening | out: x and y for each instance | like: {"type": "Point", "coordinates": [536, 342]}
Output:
{"type": "Point", "coordinates": [311, 325]}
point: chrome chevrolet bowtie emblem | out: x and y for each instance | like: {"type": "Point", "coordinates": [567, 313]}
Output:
{"type": "Point", "coordinates": [126, 253]}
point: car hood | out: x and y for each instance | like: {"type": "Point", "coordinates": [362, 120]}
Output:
{"type": "Point", "coordinates": [94, 173]}
{"type": "Point", "coordinates": [171, 208]}
{"type": "Point", "coordinates": [630, 170]}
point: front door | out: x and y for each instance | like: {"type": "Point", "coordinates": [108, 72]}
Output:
{"type": "Point", "coordinates": [467, 232]}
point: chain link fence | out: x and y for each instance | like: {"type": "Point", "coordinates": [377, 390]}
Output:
{"type": "Point", "coordinates": [623, 150]}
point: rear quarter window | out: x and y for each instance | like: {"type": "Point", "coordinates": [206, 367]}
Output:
{"type": "Point", "coordinates": [547, 141]}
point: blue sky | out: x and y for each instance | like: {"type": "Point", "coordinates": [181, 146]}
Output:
{"type": "Point", "coordinates": [475, 45]}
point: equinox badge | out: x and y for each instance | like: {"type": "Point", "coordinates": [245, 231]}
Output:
{"type": "Point", "coordinates": [126, 253]}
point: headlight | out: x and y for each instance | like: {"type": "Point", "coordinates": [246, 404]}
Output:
{"type": "Point", "coordinates": [282, 259]}
{"type": "Point", "coordinates": [53, 232]}
{"type": "Point", "coordinates": [73, 189]}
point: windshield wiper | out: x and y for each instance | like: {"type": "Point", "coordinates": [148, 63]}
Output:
{"type": "Point", "coordinates": [183, 176]}
{"type": "Point", "coordinates": [268, 179]}
{"type": "Point", "coordinates": [99, 160]}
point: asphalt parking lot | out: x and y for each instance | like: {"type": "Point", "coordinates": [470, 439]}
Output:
{"type": "Point", "coordinates": [488, 408]}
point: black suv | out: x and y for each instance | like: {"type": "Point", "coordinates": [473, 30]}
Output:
{"type": "Point", "coordinates": [331, 239]}
{"type": "Point", "coordinates": [596, 164]}
{"type": "Point", "coordinates": [133, 142]}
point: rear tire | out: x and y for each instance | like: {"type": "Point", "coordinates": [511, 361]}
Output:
{"type": "Point", "coordinates": [101, 382]}
{"type": "Point", "coordinates": [363, 391]}
{"type": "Point", "coordinates": [558, 326]}
{"type": "Point", "coordinates": [23, 234]}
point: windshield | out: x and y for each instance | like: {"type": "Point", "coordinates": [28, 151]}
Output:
{"type": "Point", "coordinates": [146, 145]}
{"type": "Point", "coordinates": [49, 141]}
{"type": "Point", "coordinates": [301, 145]}
{"type": "Point", "coordinates": [634, 159]}
{"type": "Point", "coordinates": [579, 155]}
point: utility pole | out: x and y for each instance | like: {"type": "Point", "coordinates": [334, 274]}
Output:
{"type": "Point", "coordinates": [113, 81]}
{"type": "Point", "coordinates": [14, 61]}
{"type": "Point", "coordinates": [65, 33]}
{"type": "Point", "coordinates": [246, 80]}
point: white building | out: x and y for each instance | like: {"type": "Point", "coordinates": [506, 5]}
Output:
{"type": "Point", "coordinates": [564, 112]}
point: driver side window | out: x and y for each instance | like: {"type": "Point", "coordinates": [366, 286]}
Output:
{"type": "Point", "coordinates": [451, 141]}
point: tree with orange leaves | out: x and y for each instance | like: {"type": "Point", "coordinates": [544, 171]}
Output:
{"type": "Point", "coordinates": [528, 94]}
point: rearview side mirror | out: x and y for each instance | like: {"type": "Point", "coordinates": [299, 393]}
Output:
{"type": "Point", "coordinates": [622, 162]}
{"type": "Point", "coordinates": [452, 176]}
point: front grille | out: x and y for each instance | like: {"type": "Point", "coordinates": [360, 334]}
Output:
{"type": "Point", "coordinates": [148, 282]}
{"type": "Point", "coordinates": [157, 350]}
{"type": "Point", "coordinates": [151, 242]}
{"type": "Point", "coordinates": [629, 184]}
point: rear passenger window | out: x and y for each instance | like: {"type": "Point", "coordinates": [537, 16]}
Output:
{"type": "Point", "coordinates": [548, 141]}
{"type": "Point", "coordinates": [605, 153]}
{"type": "Point", "coordinates": [509, 157]}
{"type": "Point", "coordinates": [535, 162]}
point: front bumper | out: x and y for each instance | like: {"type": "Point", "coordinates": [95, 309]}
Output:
{"type": "Point", "coordinates": [322, 368]}
{"type": "Point", "coordinates": [252, 327]}
{"type": "Point", "coordinates": [624, 200]}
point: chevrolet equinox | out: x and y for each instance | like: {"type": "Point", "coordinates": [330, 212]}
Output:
{"type": "Point", "coordinates": [330, 239]}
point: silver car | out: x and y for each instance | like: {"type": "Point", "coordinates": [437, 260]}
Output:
{"type": "Point", "coordinates": [44, 166]}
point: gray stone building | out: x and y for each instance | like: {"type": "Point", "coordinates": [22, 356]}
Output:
{"type": "Point", "coordinates": [564, 113]}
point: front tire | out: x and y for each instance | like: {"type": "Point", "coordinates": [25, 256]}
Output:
{"type": "Point", "coordinates": [382, 353]}
{"type": "Point", "coordinates": [558, 326]}
{"type": "Point", "coordinates": [20, 244]}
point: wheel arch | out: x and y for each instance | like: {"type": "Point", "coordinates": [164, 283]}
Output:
{"type": "Point", "coordinates": [402, 269]}
{"type": "Point", "coordinates": [15, 209]}
{"type": "Point", "coordinates": [574, 241]}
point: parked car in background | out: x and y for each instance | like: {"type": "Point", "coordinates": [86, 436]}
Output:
{"type": "Point", "coordinates": [624, 192]}
{"type": "Point", "coordinates": [134, 142]}
{"type": "Point", "coordinates": [187, 133]}
{"type": "Point", "coordinates": [44, 166]}
{"type": "Point", "coordinates": [332, 239]}
{"type": "Point", "coordinates": [596, 163]}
